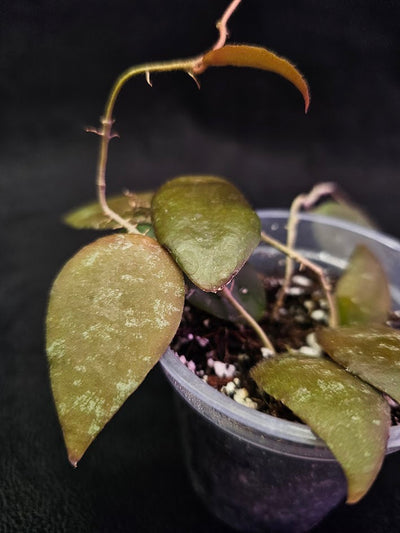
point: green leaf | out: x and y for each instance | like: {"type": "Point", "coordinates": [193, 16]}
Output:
{"type": "Point", "coordinates": [113, 310]}
{"type": "Point", "coordinates": [208, 226]}
{"type": "Point", "coordinates": [372, 353]}
{"type": "Point", "coordinates": [243, 55]}
{"type": "Point", "coordinates": [342, 211]}
{"type": "Point", "coordinates": [350, 416]}
{"type": "Point", "coordinates": [134, 207]}
{"type": "Point", "coordinates": [247, 289]}
{"type": "Point", "coordinates": [362, 292]}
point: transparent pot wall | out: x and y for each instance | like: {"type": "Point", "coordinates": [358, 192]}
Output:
{"type": "Point", "coordinates": [254, 471]}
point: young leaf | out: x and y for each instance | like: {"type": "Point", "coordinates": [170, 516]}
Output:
{"type": "Point", "coordinates": [362, 292]}
{"type": "Point", "coordinates": [113, 310]}
{"type": "Point", "coordinates": [243, 55]}
{"type": "Point", "coordinates": [208, 226]}
{"type": "Point", "coordinates": [350, 416]}
{"type": "Point", "coordinates": [370, 352]}
{"type": "Point", "coordinates": [347, 212]}
{"type": "Point", "coordinates": [247, 289]}
{"type": "Point", "coordinates": [134, 207]}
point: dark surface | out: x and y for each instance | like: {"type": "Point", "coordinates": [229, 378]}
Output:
{"type": "Point", "coordinates": [57, 61]}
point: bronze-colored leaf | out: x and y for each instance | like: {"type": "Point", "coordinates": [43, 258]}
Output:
{"type": "Point", "coordinates": [113, 310]}
{"type": "Point", "coordinates": [362, 292]}
{"type": "Point", "coordinates": [370, 352]}
{"type": "Point", "coordinates": [349, 415]}
{"type": "Point", "coordinates": [243, 55]}
{"type": "Point", "coordinates": [208, 226]}
{"type": "Point", "coordinates": [134, 207]}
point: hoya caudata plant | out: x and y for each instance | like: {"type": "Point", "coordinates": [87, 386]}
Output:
{"type": "Point", "coordinates": [116, 305]}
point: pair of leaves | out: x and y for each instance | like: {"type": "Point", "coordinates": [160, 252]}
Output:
{"type": "Point", "coordinates": [350, 415]}
{"type": "Point", "coordinates": [116, 305]}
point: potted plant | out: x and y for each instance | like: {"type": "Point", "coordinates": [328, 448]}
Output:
{"type": "Point", "coordinates": [118, 303]}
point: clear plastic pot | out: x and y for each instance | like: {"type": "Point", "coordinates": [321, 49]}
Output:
{"type": "Point", "coordinates": [254, 471]}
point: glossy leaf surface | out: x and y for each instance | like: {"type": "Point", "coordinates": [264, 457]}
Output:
{"type": "Point", "coordinates": [362, 292]}
{"type": "Point", "coordinates": [208, 226]}
{"type": "Point", "coordinates": [342, 211]}
{"type": "Point", "coordinates": [247, 289]}
{"type": "Point", "coordinates": [134, 207]}
{"type": "Point", "coordinates": [350, 416]}
{"type": "Point", "coordinates": [372, 353]}
{"type": "Point", "coordinates": [243, 55]}
{"type": "Point", "coordinates": [113, 310]}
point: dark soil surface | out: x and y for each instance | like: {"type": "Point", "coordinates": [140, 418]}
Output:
{"type": "Point", "coordinates": [222, 353]}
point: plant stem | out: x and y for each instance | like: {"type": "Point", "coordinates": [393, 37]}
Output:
{"type": "Point", "coordinates": [222, 24]}
{"type": "Point", "coordinates": [306, 201]}
{"type": "Point", "coordinates": [106, 134]}
{"type": "Point", "coordinates": [333, 318]}
{"type": "Point", "coordinates": [226, 293]}
{"type": "Point", "coordinates": [191, 66]}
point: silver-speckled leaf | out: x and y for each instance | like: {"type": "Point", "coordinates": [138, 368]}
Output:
{"type": "Point", "coordinates": [133, 207]}
{"type": "Point", "coordinates": [247, 288]}
{"type": "Point", "coordinates": [349, 415]}
{"type": "Point", "coordinates": [362, 292]}
{"type": "Point", "coordinates": [113, 310]}
{"type": "Point", "coordinates": [208, 226]}
{"type": "Point", "coordinates": [370, 352]}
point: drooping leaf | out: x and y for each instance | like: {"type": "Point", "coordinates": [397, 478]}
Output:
{"type": "Point", "coordinates": [134, 207]}
{"type": "Point", "coordinates": [113, 310]}
{"type": "Point", "coordinates": [350, 416]}
{"type": "Point", "coordinates": [370, 352]}
{"type": "Point", "coordinates": [348, 212]}
{"type": "Point", "coordinates": [362, 292]}
{"type": "Point", "coordinates": [243, 55]}
{"type": "Point", "coordinates": [208, 226]}
{"type": "Point", "coordinates": [247, 288]}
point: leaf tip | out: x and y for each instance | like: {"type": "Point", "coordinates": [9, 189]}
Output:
{"type": "Point", "coordinates": [73, 460]}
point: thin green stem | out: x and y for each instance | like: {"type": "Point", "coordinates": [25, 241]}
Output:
{"type": "Point", "coordinates": [186, 65]}
{"type": "Point", "coordinates": [226, 293]}
{"type": "Point", "coordinates": [333, 318]}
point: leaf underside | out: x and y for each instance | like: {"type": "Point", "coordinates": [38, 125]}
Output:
{"type": "Point", "coordinates": [133, 207]}
{"type": "Point", "coordinates": [350, 416]}
{"type": "Point", "coordinates": [247, 288]}
{"type": "Point", "coordinates": [113, 310]}
{"type": "Point", "coordinates": [243, 55]}
{"type": "Point", "coordinates": [362, 292]}
{"type": "Point", "coordinates": [208, 226]}
{"type": "Point", "coordinates": [372, 353]}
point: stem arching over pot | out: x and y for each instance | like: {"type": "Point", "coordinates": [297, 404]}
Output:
{"type": "Point", "coordinates": [116, 305]}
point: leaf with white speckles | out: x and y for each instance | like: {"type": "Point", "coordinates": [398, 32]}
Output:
{"type": "Point", "coordinates": [133, 207]}
{"type": "Point", "coordinates": [372, 353]}
{"type": "Point", "coordinates": [208, 226]}
{"type": "Point", "coordinates": [113, 310]}
{"type": "Point", "coordinates": [349, 415]}
{"type": "Point", "coordinates": [362, 292]}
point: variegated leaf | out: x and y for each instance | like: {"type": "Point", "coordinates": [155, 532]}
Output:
{"type": "Point", "coordinates": [113, 310]}
{"type": "Point", "coordinates": [349, 415]}
{"type": "Point", "coordinates": [133, 207]}
{"type": "Point", "coordinates": [371, 352]}
{"type": "Point", "coordinates": [208, 226]}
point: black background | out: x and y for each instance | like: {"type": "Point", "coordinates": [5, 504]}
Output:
{"type": "Point", "coordinates": [58, 61]}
